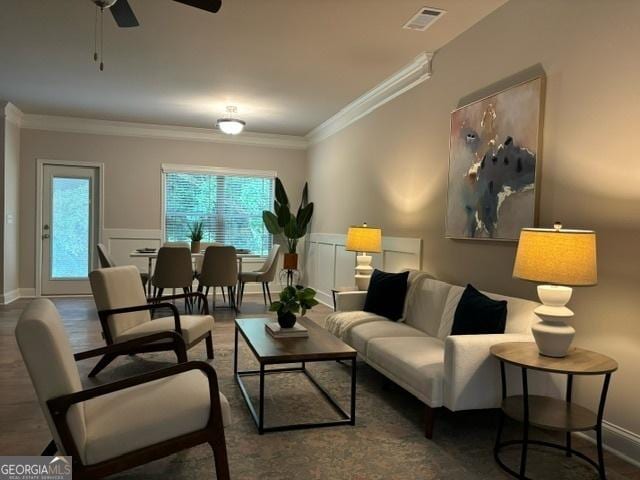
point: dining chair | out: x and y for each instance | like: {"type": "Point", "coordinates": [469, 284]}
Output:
{"type": "Point", "coordinates": [219, 269]}
{"type": "Point", "coordinates": [264, 275]}
{"type": "Point", "coordinates": [197, 267]}
{"type": "Point", "coordinates": [107, 262]}
{"type": "Point", "coordinates": [117, 426]}
{"type": "Point", "coordinates": [173, 270]}
{"type": "Point", "coordinates": [125, 315]}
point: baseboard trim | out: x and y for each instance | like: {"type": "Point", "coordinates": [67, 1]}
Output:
{"type": "Point", "coordinates": [618, 441]}
{"type": "Point", "coordinates": [324, 298]}
{"type": "Point", "coordinates": [11, 296]}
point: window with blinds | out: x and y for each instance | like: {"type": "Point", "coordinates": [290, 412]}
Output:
{"type": "Point", "coordinates": [230, 205]}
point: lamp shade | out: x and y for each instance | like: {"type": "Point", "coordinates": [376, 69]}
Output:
{"type": "Point", "coordinates": [364, 239]}
{"type": "Point", "coordinates": [557, 256]}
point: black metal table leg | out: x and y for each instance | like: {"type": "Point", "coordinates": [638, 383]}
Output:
{"type": "Point", "coordinates": [235, 352]}
{"type": "Point", "coordinates": [347, 416]}
{"type": "Point", "coordinates": [503, 384]}
{"type": "Point", "coordinates": [525, 429]}
{"type": "Point", "coordinates": [603, 399]}
{"type": "Point", "coordinates": [353, 391]}
{"type": "Point", "coordinates": [568, 399]}
{"type": "Point", "coordinates": [261, 406]}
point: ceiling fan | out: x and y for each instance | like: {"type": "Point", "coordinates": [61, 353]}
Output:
{"type": "Point", "coordinates": [125, 18]}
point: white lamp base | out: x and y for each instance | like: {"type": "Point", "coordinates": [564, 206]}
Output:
{"type": "Point", "coordinates": [363, 271]}
{"type": "Point", "coordinates": [553, 336]}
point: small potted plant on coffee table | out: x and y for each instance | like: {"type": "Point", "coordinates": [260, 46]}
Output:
{"type": "Point", "coordinates": [196, 232]}
{"type": "Point", "coordinates": [293, 300]}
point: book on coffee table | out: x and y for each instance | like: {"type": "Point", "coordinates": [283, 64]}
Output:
{"type": "Point", "coordinates": [276, 331]}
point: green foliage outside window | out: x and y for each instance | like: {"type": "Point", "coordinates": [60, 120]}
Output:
{"type": "Point", "coordinates": [229, 207]}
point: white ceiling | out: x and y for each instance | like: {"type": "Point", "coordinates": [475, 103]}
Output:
{"type": "Point", "coordinates": [288, 65]}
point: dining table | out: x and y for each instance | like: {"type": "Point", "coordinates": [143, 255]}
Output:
{"type": "Point", "coordinates": [153, 255]}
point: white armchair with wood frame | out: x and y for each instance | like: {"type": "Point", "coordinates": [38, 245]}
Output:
{"type": "Point", "coordinates": [120, 425]}
{"type": "Point", "coordinates": [125, 314]}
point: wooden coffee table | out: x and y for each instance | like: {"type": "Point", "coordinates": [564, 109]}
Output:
{"type": "Point", "coordinates": [319, 346]}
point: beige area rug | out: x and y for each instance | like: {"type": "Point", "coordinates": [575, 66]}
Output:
{"type": "Point", "coordinates": [386, 443]}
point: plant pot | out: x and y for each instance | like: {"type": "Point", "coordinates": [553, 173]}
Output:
{"type": "Point", "coordinates": [195, 247]}
{"type": "Point", "coordinates": [290, 261]}
{"type": "Point", "coordinates": [286, 320]}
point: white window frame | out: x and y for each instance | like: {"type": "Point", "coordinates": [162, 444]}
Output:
{"type": "Point", "coordinates": [180, 168]}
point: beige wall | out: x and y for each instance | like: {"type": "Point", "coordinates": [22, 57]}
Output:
{"type": "Point", "coordinates": [390, 168]}
{"type": "Point", "coordinates": [9, 185]}
{"type": "Point", "coordinates": [132, 176]}
{"type": "Point", "coordinates": [11, 202]}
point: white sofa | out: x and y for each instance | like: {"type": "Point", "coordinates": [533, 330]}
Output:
{"type": "Point", "coordinates": [419, 354]}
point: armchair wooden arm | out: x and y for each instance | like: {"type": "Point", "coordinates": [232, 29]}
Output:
{"type": "Point", "coordinates": [199, 295]}
{"type": "Point", "coordinates": [124, 348]}
{"type": "Point", "coordinates": [137, 345]}
{"type": "Point", "coordinates": [104, 315]}
{"type": "Point", "coordinates": [213, 433]}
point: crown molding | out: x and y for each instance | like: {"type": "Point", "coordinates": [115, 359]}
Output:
{"type": "Point", "coordinates": [148, 130]}
{"type": "Point", "coordinates": [403, 80]}
{"type": "Point", "coordinates": [13, 114]}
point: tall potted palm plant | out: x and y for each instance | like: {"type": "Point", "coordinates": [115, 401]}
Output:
{"type": "Point", "coordinates": [282, 222]}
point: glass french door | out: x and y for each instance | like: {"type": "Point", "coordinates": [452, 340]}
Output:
{"type": "Point", "coordinates": [69, 228]}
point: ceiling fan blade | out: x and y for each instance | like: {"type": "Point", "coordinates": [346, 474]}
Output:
{"type": "Point", "coordinates": [123, 15]}
{"type": "Point", "coordinates": [209, 5]}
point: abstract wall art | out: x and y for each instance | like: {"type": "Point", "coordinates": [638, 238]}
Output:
{"type": "Point", "coordinates": [493, 159]}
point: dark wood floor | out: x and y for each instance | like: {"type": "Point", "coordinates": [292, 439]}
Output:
{"type": "Point", "coordinates": [24, 430]}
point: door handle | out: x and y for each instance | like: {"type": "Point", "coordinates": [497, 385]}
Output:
{"type": "Point", "coordinates": [45, 235]}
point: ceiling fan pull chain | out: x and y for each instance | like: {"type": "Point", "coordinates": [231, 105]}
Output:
{"type": "Point", "coordinates": [101, 39]}
{"type": "Point", "coordinates": [95, 36]}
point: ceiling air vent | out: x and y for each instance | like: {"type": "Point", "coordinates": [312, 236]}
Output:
{"type": "Point", "coordinates": [424, 19]}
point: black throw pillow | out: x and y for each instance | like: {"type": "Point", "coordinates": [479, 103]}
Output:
{"type": "Point", "coordinates": [478, 314]}
{"type": "Point", "coordinates": [386, 294]}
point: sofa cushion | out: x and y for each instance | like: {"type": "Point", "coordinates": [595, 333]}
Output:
{"type": "Point", "coordinates": [415, 363]}
{"type": "Point", "coordinates": [520, 314]}
{"type": "Point", "coordinates": [361, 334]}
{"type": "Point", "coordinates": [146, 414]}
{"type": "Point", "coordinates": [341, 323]}
{"type": "Point", "coordinates": [478, 314]}
{"type": "Point", "coordinates": [426, 305]}
{"type": "Point", "coordinates": [386, 294]}
{"type": "Point", "coordinates": [446, 322]}
{"type": "Point", "coordinates": [192, 326]}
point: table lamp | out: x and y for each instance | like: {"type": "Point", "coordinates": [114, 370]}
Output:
{"type": "Point", "coordinates": [560, 258]}
{"type": "Point", "coordinates": [363, 239]}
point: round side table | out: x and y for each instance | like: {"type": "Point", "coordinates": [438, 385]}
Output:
{"type": "Point", "coordinates": [547, 412]}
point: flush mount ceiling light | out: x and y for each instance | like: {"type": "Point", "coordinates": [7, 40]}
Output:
{"type": "Point", "coordinates": [230, 125]}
